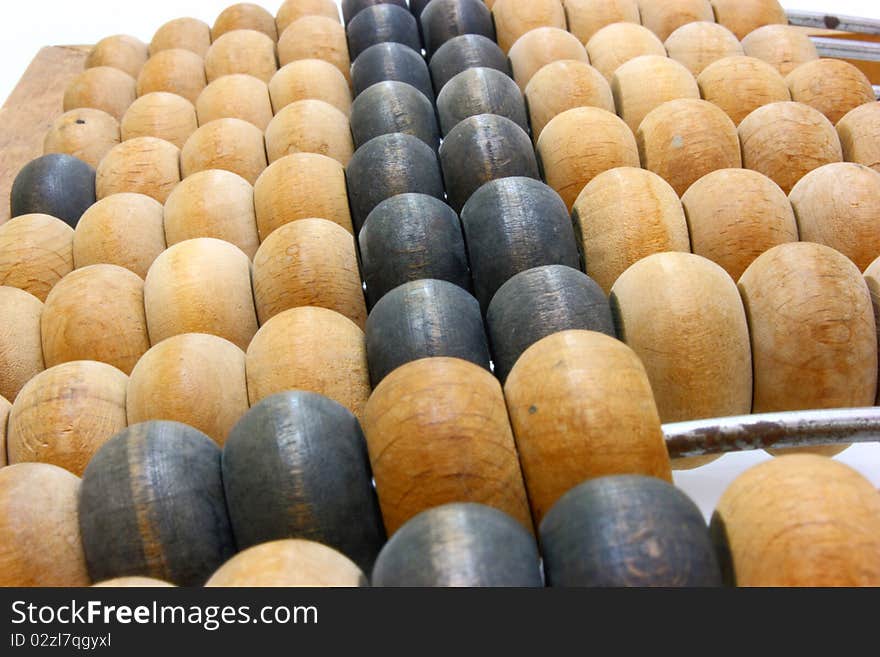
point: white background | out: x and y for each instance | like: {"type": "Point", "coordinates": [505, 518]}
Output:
{"type": "Point", "coordinates": [26, 26]}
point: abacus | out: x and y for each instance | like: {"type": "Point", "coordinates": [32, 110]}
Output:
{"type": "Point", "coordinates": [440, 294]}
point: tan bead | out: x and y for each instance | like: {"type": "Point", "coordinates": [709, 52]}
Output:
{"type": "Point", "coordinates": [541, 46]}
{"type": "Point", "coordinates": [127, 53]}
{"type": "Point", "coordinates": [242, 51]}
{"type": "Point", "coordinates": [104, 88]}
{"type": "Point", "coordinates": [301, 186]}
{"type": "Point", "coordinates": [293, 10]}
{"type": "Point", "coordinates": [144, 165]}
{"type": "Point", "coordinates": [196, 379]}
{"type": "Point", "coordinates": [244, 16]}
{"type": "Point", "coordinates": [132, 583]}
{"type": "Point", "coordinates": [616, 44]}
{"type": "Point", "coordinates": [644, 83]}
{"type": "Point", "coordinates": [310, 126]}
{"type": "Point", "coordinates": [663, 17]}
{"type": "Point", "coordinates": [696, 45]}
{"type": "Point", "coordinates": [785, 141]}
{"type": "Point", "coordinates": [587, 17]}
{"type": "Point", "coordinates": [176, 71]}
{"type": "Point", "coordinates": [832, 86]}
{"type": "Point", "coordinates": [213, 203]}
{"type": "Point", "coordinates": [182, 34]}
{"type": "Point", "coordinates": [735, 215]}
{"type": "Point", "coordinates": [581, 407]}
{"type": "Point", "coordinates": [65, 414]}
{"type": "Point", "coordinates": [122, 229]}
{"type": "Point", "coordinates": [162, 115]}
{"type": "Point", "coordinates": [21, 349]}
{"type": "Point", "coordinates": [5, 407]}
{"type": "Point", "coordinates": [315, 37]}
{"type": "Point", "coordinates": [564, 85]}
{"type": "Point", "coordinates": [624, 215]}
{"type": "Point", "coordinates": [228, 144]}
{"type": "Point", "coordinates": [744, 16]}
{"type": "Point", "coordinates": [872, 279]}
{"type": "Point", "coordinates": [84, 133]}
{"type": "Point", "coordinates": [859, 133]}
{"type": "Point", "coordinates": [310, 78]}
{"type": "Point", "coordinates": [36, 251]}
{"type": "Point", "coordinates": [236, 96]}
{"type": "Point", "coordinates": [514, 18]}
{"type": "Point", "coordinates": [783, 47]}
{"type": "Point", "coordinates": [740, 85]}
{"type": "Point", "coordinates": [201, 286]}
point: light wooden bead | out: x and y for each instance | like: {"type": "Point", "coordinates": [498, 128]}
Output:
{"type": "Point", "coordinates": [799, 521]}
{"type": "Point", "coordinates": [107, 89]}
{"type": "Point", "coordinates": [132, 583]}
{"type": "Point", "coordinates": [176, 71]}
{"type": "Point", "coordinates": [236, 96]}
{"type": "Point", "coordinates": [5, 407]}
{"type": "Point", "coordinates": [229, 144]}
{"type": "Point", "coordinates": [315, 37]}
{"type": "Point", "coordinates": [644, 83]}
{"type": "Point", "coordinates": [144, 165]}
{"type": "Point", "coordinates": [391, 61]}
{"type": "Point", "coordinates": [162, 115]}
{"type": "Point", "coordinates": [242, 51]}
{"type": "Point", "coordinates": [288, 563]}
{"type": "Point", "coordinates": [696, 45]}
{"type": "Point", "coordinates": [832, 86]}
{"type": "Point", "coordinates": [514, 18]}
{"type": "Point", "coordinates": [184, 34]}
{"type": "Point", "coordinates": [213, 203]}
{"type": "Point", "coordinates": [735, 215]}
{"type": "Point", "coordinates": [624, 215]}
{"type": "Point", "coordinates": [541, 46]}
{"type": "Point", "coordinates": [301, 186]}
{"type": "Point", "coordinates": [293, 10]}
{"type": "Point", "coordinates": [663, 17]}
{"type": "Point", "coordinates": [785, 141]}
{"type": "Point", "coordinates": [96, 313]}
{"type": "Point", "coordinates": [311, 262]}
{"type": "Point", "coordinates": [244, 16]}
{"type": "Point", "coordinates": [581, 143]}
{"type": "Point", "coordinates": [581, 407]}
{"type": "Point", "coordinates": [196, 379]}
{"type": "Point", "coordinates": [311, 349]}
{"type": "Point", "coordinates": [21, 351]}
{"type": "Point", "coordinates": [85, 133]}
{"type": "Point", "coordinates": [587, 17]}
{"type": "Point", "coordinates": [310, 78]}
{"type": "Point", "coordinates": [859, 133]}
{"type": "Point", "coordinates": [127, 53]}
{"type": "Point", "coordinates": [684, 318]}
{"type": "Point", "coordinates": [382, 23]}
{"type": "Point", "coordinates": [562, 86]}
{"type": "Point", "coordinates": [744, 16]}
{"type": "Point", "coordinates": [616, 44]}
{"type": "Point", "coordinates": [63, 415]}
{"type": "Point", "coordinates": [739, 85]}
{"type": "Point", "coordinates": [201, 286]}
{"type": "Point", "coordinates": [783, 47]}
{"type": "Point", "coordinates": [38, 522]}
{"type": "Point", "coordinates": [464, 52]}
{"type": "Point", "coordinates": [872, 279]}
{"type": "Point", "coordinates": [814, 343]}
{"type": "Point", "coordinates": [838, 205]}
{"type": "Point", "coordinates": [310, 126]}
{"type": "Point", "coordinates": [36, 251]}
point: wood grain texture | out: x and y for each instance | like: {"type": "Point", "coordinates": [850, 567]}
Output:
{"type": "Point", "coordinates": [663, 17]}
{"type": "Point", "coordinates": [36, 251]}
{"type": "Point", "coordinates": [293, 10]}
{"type": "Point", "coordinates": [144, 165]}
{"type": "Point", "coordinates": [315, 37]}
{"type": "Point", "coordinates": [447, 19]}
{"type": "Point", "coordinates": [514, 18]}
{"type": "Point", "coordinates": [783, 47]}
{"type": "Point", "coordinates": [177, 71]}
{"type": "Point", "coordinates": [310, 78]}
{"type": "Point", "coordinates": [382, 23]}
{"type": "Point", "coordinates": [184, 34]}
{"type": "Point", "coordinates": [742, 17]}
{"type": "Point", "coordinates": [5, 408]}
{"type": "Point", "coordinates": [463, 52]}
{"type": "Point", "coordinates": [122, 51]}
{"type": "Point", "coordinates": [244, 16]}
{"type": "Point", "coordinates": [480, 91]}
{"type": "Point", "coordinates": [58, 185]}
{"type": "Point", "coordinates": [616, 44]}
{"type": "Point", "coordinates": [310, 126]}
{"type": "Point", "coordinates": [390, 106]}
{"type": "Point", "coordinates": [872, 279]}
{"type": "Point", "coordinates": [84, 133]}
{"type": "Point", "coordinates": [160, 114]}
{"type": "Point", "coordinates": [229, 144]}
{"type": "Point", "coordinates": [103, 88]}
{"type": "Point", "coordinates": [645, 82]}
{"type": "Point", "coordinates": [241, 51]}
{"type": "Point", "coordinates": [541, 46]}
{"type": "Point", "coordinates": [391, 61]}
{"type": "Point", "coordinates": [739, 85]}
{"type": "Point", "coordinates": [832, 86]}
{"type": "Point", "coordinates": [236, 96]}
{"type": "Point", "coordinates": [859, 133]}
{"type": "Point", "coordinates": [696, 45]}
{"type": "Point", "coordinates": [21, 349]}
{"type": "Point", "coordinates": [586, 17]}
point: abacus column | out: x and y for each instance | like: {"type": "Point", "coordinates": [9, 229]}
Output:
{"type": "Point", "coordinates": [514, 18]}
{"type": "Point", "coordinates": [740, 85]}
{"type": "Point", "coordinates": [315, 37]}
{"type": "Point", "coordinates": [744, 16]}
{"type": "Point", "coordinates": [446, 19]}
{"type": "Point", "coordinates": [58, 185]}
{"type": "Point", "coordinates": [480, 91]}
{"type": "Point", "coordinates": [663, 17]}
{"type": "Point", "coordinates": [310, 78]}
{"type": "Point", "coordinates": [84, 133]}
{"type": "Point", "coordinates": [241, 51]}
{"type": "Point", "coordinates": [310, 126]}
{"type": "Point", "coordinates": [36, 251]}
{"type": "Point", "coordinates": [21, 351]}
{"type": "Point", "coordinates": [562, 86]}
{"type": "Point", "coordinates": [783, 47]}
{"type": "Point", "coordinates": [391, 61]}
{"type": "Point", "coordinates": [182, 33]}
{"type": "Point", "coordinates": [388, 107]}
{"type": "Point", "coordinates": [145, 165]}
{"type": "Point", "coordinates": [382, 23]}
{"type": "Point", "coordinates": [229, 144]}
{"type": "Point", "coordinates": [160, 114]}
{"type": "Point", "coordinates": [646, 82]}
{"type": "Point", "coordinates": [236, 96]}
{"type": "Point", "coordinates": [176, 71]}
{"type": "Point", "coordinates": [697, 45]}
{"type": "Point", "coordinates": [616, 44]}
{"type": "Point", "coordinates": [859, 133]}
{"type": "Point", "coordinates": [832, 86]}
{"type": "Point", "coordinates": [464, 52]}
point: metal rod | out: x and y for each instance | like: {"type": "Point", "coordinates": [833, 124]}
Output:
{"type": "Point", "coordinates": [868, 51]}
{"type": "Point", "coordinates": [834, 22]}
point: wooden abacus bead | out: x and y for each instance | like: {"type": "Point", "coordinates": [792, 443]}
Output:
{"type": "Point", "coordinates": [742, 17]}
{"type": "Point", "coordinates": [195, 379]}
{"type": "Point", "coordinates": [740, 85]}
{"type": "Point", "coordinates": [587, 17]}
{"type": "Point", "coordinates": [310, 262]}
{"type": "Point", "coordinates": [627, 530]}
{"type": "Point", "coordinates": [562, 86]}
{"type": "Point", "coordinates": [735, 215]}
{"type": "Point", "coordinates": [782, 46]}
{"type": "Point", "coordinates": [64, 414]}
{"type": "Point", "coordinates": [229, 144]}
{"type": "Point", "coordinates": [84, 133]}
{"type": "Point", "coordinates": [447, 19]}
{"type": "Point", "coordinates": [560, 442]}
{"type": "Point", "coordinates": [391, 61]}
{"type": "Point", "coordinates": [480, 91]}
{"type": "Point", "coordinates": [832, 86]}
{"type": "Point", "coordinates": [872, 279]}
{"type": "Point", "coordinates": [293, 10]}
{"type": "Point", "coordinates": [182, 34]}
{"type": "Point", "coordinates": [859, 133]}
{"type": "Point", "coordinates": [127, 53]}
{"type": "Point", "coordinates": [162, 115]}
{"type": "Point", "coordinates": [541, 46]}
{"type": "Point", "coordinates": [296, 466]}
{"type": "Point", "coordinates": [177, 71]}
{"type": "Point", "coordinates": [310, 126]}
{"type": "Point", "coordinates": [244, 16]}
{"type": "Point", "coordinates": [696, 45]}
{"type": "Point", "coordinates": [21, 352]}
{"type": "Point", "coordinates": [242, 51]}
{"type": "Point", "coordinates": [312, 349]}
{"type": "Point", "coordinates": [464, 52]}
{"type": "Point", "coordinates": [103, 87]}
{"type": "Point", "coordinates": [301, 186]}
{"type": "Point", "coordinates": [800, 520]}
{"type": "Point", "coordinates": [624, 215]}
{"type": "Point", "coordinates": [683, 140]}
{"type": "Point", "coordinates": [132, 583]}
{"type": "Point", "coordinates": [96, 313]}
{"type": "Point", "coordinates": [539, 302]}
{"type": "Point", "coordinates": [683, 316]}
{"type": "Point", "coordinates": [616, 44]}
{"type": "Point", "coordinates": [58, 185]}
{"type": "Point", "coordinates": [644, 83]}
{"type": "Point", "coordinates": [387, 166]}
{"type": "Point", "coordinates": [40, 543]}
{"type": "Point", "coordinates": [786, 140]}
{"type": "Point", "coordinates": [388, 107]}
{"type": "Point", "coordinates": [459, 545]}
{"type": "Point", "coordinates": [213, 203]}
{"type": "Point", "coordinates": [581, 143]}
{"type": "Point", "coordinates": [288, 563]}
{"type": "Point", "coordinates": [36, 251]}
{"type": "Point", "coordinates": [514, 18]}
{"type": "Point", "coordinates": [236, 96]}
{"type": "Point", "coordinates": [315, 37]}
{"type": "Point", "coordinates": [814, 343]}
{"type": "Point", "coordinates": [201, 286]}
{"type": "Point", "coordinates": [663, 17]}
{"type": "Point", "coordinates": [382, 23]}
{"type": "Point", "coordinates": [351, 8]}
{"type": "Point", "coordinates": [5, 407]}
{"type": "Point", "coordinates": [156, 489]}
{"type": "Point", "coordinates": [143, 165]}
{"type": "Point", "coordinates": [310, 78]}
